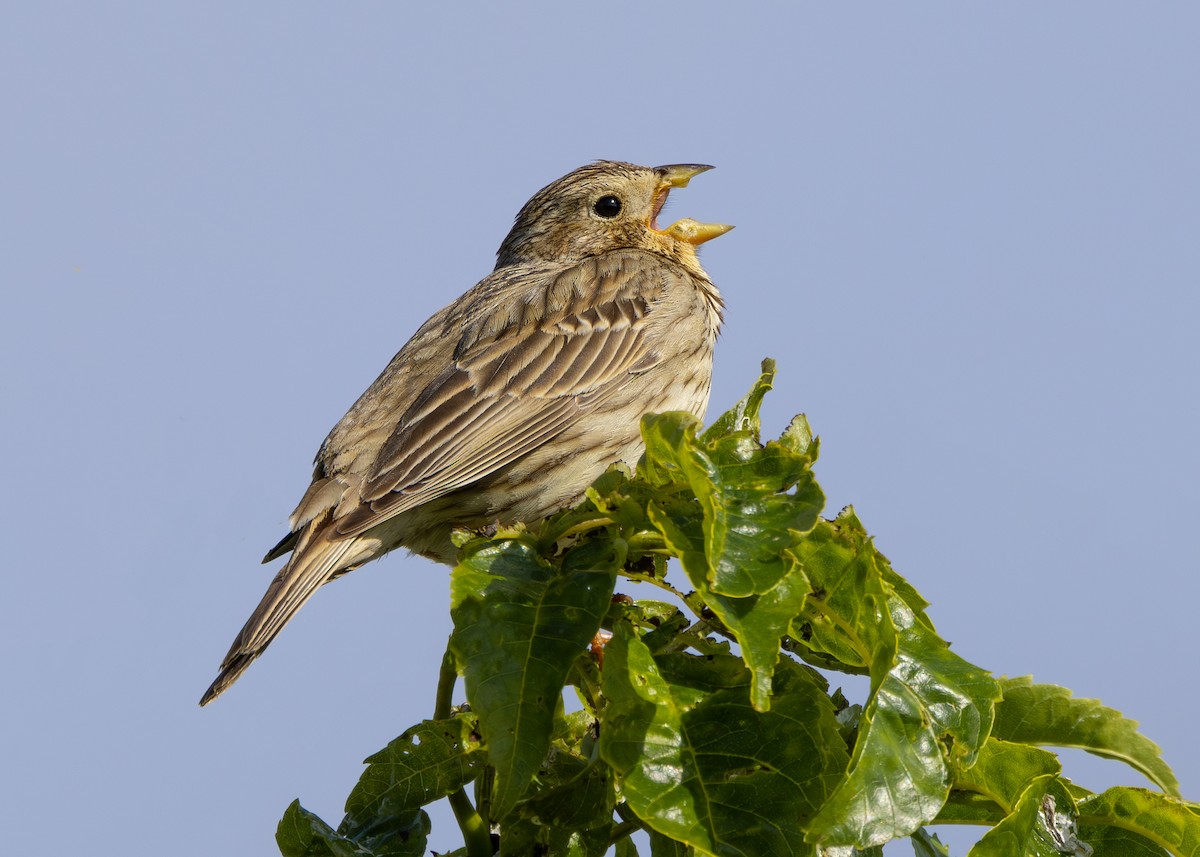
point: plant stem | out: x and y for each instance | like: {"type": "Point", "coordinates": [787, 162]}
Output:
{"type": "Point", "coordinates": [443, 701]}
{"type": "Point", "coordinates": [647, 578]}
{"type": "Point", "coordinates": [620, 831]}
{"type": "Point", "coordinates": [476, 837]}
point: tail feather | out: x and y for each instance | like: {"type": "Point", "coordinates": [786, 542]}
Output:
{"type": "Point", "coordinates": [286, 545]}
{"type": "Point", "coordinates": [316, 560]}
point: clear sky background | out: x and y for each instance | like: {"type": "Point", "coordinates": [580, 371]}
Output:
{"type": "Point", "coordinates": [969, 234]}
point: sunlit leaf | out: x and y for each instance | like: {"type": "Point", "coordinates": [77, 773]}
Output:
{"type": "Point", "coordinates": [752, 498]}
{"type": "Point", "coordinates": [1051, 715]}
{"type": "Point", "coordinates": [1042, 824]}
{"type": "Point", "coordinates": [755, 501]}
{"type": "Point", "coordinates": [963, 807]}
{"type": "Point", "coordinates": [1109, 841]}
{"type": "Point", "coordinates": [743, 417]}
{"type": "Point", "coordinates": [1167, 822]}
{"type": "Point", "coordinates": [1003, 770]}
{"type": "Point", "coordinates": [928, 707]}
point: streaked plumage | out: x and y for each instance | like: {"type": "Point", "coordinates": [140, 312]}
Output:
{"type": "Point", "coordinates": [508, 403]}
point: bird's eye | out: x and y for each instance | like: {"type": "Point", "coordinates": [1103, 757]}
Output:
{"type": "Point", "coordinates": [607, 206]}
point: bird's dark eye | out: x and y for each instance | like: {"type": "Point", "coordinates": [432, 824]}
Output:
{"type": "Point", "coordinates": [607, 206]}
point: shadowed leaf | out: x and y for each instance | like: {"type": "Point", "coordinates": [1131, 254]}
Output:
{"type": "Point", "coordinates": [429, 761]}
{"type": "Point", "coordinates": [698, 764]}
{"type": "Point", "coordinates": [302, 834]}
{"type": "Point", "coordinates": [519, 624]}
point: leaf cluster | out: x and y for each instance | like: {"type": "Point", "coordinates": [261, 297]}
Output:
{"type": "Point", "coordinates": [704, 717]}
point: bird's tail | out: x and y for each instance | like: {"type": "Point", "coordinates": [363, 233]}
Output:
{"type": "Point", "coordinates": [316, 559]}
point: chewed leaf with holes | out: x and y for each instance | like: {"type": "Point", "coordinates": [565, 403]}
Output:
{"type": "Point", "coordinates": [426, 763]}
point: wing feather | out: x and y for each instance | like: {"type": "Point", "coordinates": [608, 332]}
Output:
{"type": "Point", "coordinates": [520, 376]}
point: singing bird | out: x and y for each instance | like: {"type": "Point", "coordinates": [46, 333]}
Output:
{"type": "Point", "coordinates": [507, 404]}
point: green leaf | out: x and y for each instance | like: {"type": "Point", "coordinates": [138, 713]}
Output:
{"type": "Point", "coordinates": [964, 807]}
{"type": "Point", "coordinates": [743, 417]}
{"type": "Point", "coordinates": [1042, 824]}
{"type": "Point", "coordinates": [928, 707]}
{"type": "Point", "coordinates": [759, 622]}
{"type": "Point", "coordinates": [1169, 823]}
{"type": "Point", "coordinates": [897, 779]}
{"type": "Point", "coordinates": [303, 834]}
{"type": "Point", "coordinates": [429, 761]}
{"type": "Point", "coordinates": [761, 498]}
{"type": "Point", "coordinates": [1004, 770]}
{"type": "Point", "coordinates": [1114, 842]}
{"type": "Point", "coordinates": [698, 764]}
{"type": "Point", "coordinates": [798, 437]}
{"type": "Point", "coordinates": [717, 753]}
{"type": "Point", "coordinates": [520, 837]}
{"type": "Point", "coordinates": [755, 501]}
{"type": "Point", "coordinates": [899, 585]}
{"type": "Point", "coordinates": [1048, 714]}
{"type": "Point", "coordinates": [519, 624]}
{"type": "Point", "coordinates": [928, 845]}
{"type": "Point", "coordinates": [663, 630]}
{"type": "Point", "coordinates": [626, 848]}
{"type": "Point", "coordinates": [665, 846]}
{"type": "Point", "coordinates": [846, 615]}
{"type": "Point", "coordinates": [572, 795]}
{"type": "Point", "coordinates": [745, 491]}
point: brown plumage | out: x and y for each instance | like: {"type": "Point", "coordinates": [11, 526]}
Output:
{"type": "Point", "coordinates": [508, 403]}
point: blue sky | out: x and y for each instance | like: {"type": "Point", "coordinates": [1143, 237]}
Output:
{"type": "Point", "coordinates": [968, 235]}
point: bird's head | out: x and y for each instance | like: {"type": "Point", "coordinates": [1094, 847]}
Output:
{"type": "Point", "coordinates": [605, 206]}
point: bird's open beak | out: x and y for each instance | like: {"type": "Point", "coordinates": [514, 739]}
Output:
{"type": "Point", "coordinates": [678, 175]}
{"type": "Point", "coordinates": [691, 231]}
{"type": "Point", "coordinates": [694, 232]}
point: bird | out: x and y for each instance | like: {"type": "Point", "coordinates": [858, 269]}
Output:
{"type": "Point", "coordinates": [508, 403]}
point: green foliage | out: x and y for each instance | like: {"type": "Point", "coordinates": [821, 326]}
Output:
{"type": "Point", "coordinates": [928, 845]}
{"type": "Point", "coordinates": [703, 719]}
{"type": "Point", "coordinates": [398, 834]}
{"type": "Point", "coordinates": [1047, 714]}
{"type": "Point", "coordinates": [742, 781]}
{"type": "Point", "coordinates": [520, 622]}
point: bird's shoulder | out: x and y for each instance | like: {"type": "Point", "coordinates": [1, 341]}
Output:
{"type": "Point", "coordinates": [514, 319]}
{"type": "Point", "coordinates": [613, 290]}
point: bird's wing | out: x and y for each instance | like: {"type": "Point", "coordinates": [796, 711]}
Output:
{"type": "Point", "coordinates": [519, 377]}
